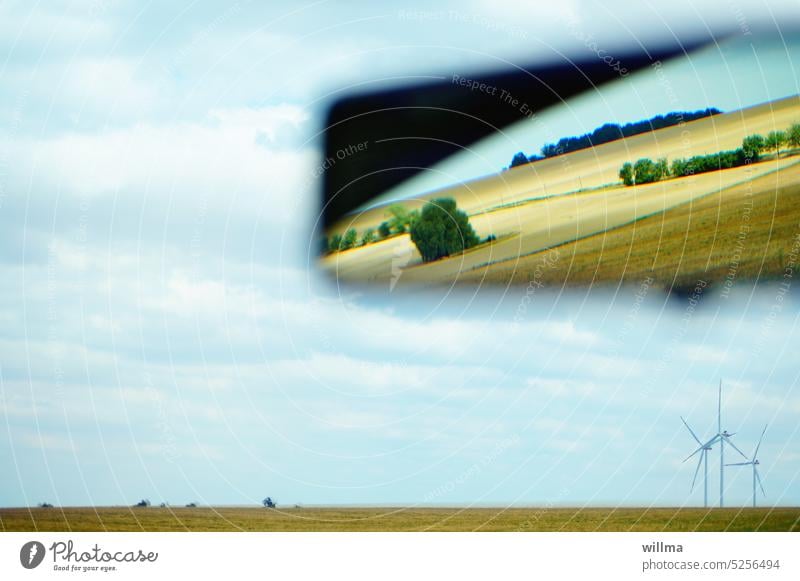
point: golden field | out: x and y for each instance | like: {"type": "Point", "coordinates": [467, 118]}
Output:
{"type": "Point", "coordinates": [399, 519]}
{"type": "Point", "coordinates": [745, 232]}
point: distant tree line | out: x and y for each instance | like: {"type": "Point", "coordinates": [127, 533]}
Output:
{"type": "Point", "coordinates": [611, 132]}
{"type": "Point", "coordinates": [646, 171]}
{"type": "Point", "coordinates": [438, 230]}
{"type": "Point", "coordinates": [398, 221]}
{"type": "Point", "coordinates": [145, 503]}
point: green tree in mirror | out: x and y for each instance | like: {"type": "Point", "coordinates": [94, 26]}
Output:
{"type": "Point", "coordinates": [335, 243]}
{"type": "Point", "coordinates": [626, 173]}
{"type": "Point", "coordinates": [793, 135]}
{"type": "Point", "coordinates": [775, 140]}
{"type": "Point", "coordinates": [368, 237]}
{"type": "Point", "coordinates": [752, 146]}
{"type": "Point", "coordinates": [349, 240]}
{"type": "Point", "coordinates": [400, 218]}
{"type": "Point", "coordinates": [646, 171]}
{"type": "Point", "coordinates": [441, 230]}
{"type": "Point", "coordinates": [519, 159]}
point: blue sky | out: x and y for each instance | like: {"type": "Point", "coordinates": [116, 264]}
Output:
{"type": "Point", "coordinates": [164, 334]}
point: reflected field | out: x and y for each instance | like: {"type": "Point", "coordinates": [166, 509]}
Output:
{"type": "Point", "coordinates": [579, 198]}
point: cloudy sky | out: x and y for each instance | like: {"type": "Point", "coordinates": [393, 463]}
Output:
{"type": "Point", "coordinates": [163, 332]}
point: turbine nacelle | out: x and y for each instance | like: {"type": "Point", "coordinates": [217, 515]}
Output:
{"type": "Point", "coordinates": [722, 437]}
{"type": "Point", "coordinates": [754, 463]}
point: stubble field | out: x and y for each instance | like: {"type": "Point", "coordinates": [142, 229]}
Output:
{"type": "Point", "coordinates": [399, 519]}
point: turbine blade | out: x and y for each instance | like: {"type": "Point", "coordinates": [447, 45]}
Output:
{"type": "Point", "coordinates": [691, 432]}
{"type": "Point", "coordinates": [727, 439]}
{"type": "Point", "coordinates": [711, 441]}
{"type": "Point", "coordinates": [693, 453]}
{"type": "Point", "coordinates": [740, 464]}
{"type": "Point", "coordinates": [696, 471]}
{"type": "Point", "coordinates": [719, 409]}
{"type": "Point", "coordinates": [755, 454]}
{"type": "Point", "coordinates": [758, 477]}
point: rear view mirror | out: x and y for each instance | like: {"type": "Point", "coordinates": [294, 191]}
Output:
{"type": "Point", "coordinates": [671, 167]}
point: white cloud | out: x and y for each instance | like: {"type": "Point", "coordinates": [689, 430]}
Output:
{"type": "Point", "coordinates": [45, 441]}
{"type": "Point", "coordinates": [704, 354]}
{"type": "Point", "coordinates": [55, 26]}
{"type": "Point", "coordinates": [186, 297]}
{"type": "Point", "coordinates": [227, 164]}
{"type": "Point", "coordinates": [112, 86]}
{"type": "Point", "coordinates": [275, 127]}
{"type": "Point", "coordinates": [562, 387]}
{"type": "Point", "coordinates": [346, 375]}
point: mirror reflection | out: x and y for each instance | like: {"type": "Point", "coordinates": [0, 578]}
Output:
{"type": "Point", "coordinates": [688, 171]}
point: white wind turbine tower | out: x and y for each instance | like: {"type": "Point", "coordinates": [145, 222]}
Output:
{"type": "Point", "coordinates": [723, 437]}
{"type": "Point", "coordinates": [754, 463]}
{"type": "Point", "coordinates": [703, 460]}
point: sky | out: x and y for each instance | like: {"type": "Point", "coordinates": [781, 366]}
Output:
{"type": "Point", "coordinates": [164, 333]}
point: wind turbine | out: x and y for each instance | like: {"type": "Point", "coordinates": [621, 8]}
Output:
{"type": "Point", "coordinates": [703, 460]}
{"type": "Point", "coordinates": [754, 463]}
{"type": "Point", "coordinates": [722, 437]}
